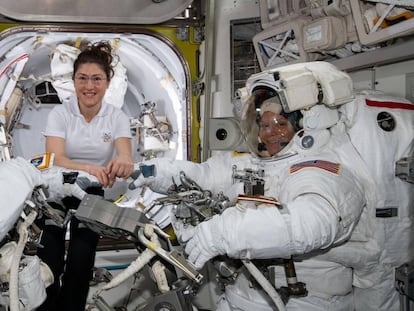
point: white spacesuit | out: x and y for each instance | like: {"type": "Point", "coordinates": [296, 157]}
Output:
{"type": "Point", "coordinates": [323, 186]}
{"type": "Point", "coordinates": [18, 178]}
{"type": "Point", "coordinates": [26, 275]}
{"type": "Point", "coordinates": [387, 123]}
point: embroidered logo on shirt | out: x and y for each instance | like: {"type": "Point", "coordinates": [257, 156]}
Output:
{"type": "Point", "coordinates": [107, 137]}
{"type": "Point", "coordinates": [320, 164]}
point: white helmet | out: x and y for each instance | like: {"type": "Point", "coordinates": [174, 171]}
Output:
{"type": "Point", "coordinates": [288, 90]}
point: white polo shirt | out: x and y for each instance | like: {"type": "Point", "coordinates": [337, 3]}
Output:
{"type": "Point", "coordinates": [92, 142]}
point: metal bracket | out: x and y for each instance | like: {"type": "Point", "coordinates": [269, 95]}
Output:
{"type": "Point", "coordinates": [404, 169]}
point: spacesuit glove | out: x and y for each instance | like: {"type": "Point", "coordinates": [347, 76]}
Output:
{"type": "Point", "coordinates": [157, 174]}
{"type": "Point", "coordinates": [85, 180]}
{"type": "Point", "coordinates": [206, 243]}
{"type": "Point", "coordinates": [183, 231]}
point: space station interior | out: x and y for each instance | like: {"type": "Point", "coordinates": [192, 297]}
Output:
{"type": "Point", "coordinates": [182, 73]}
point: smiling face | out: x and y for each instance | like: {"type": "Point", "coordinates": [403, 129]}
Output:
{"type": "Point", "coordinates": [275, 131]}
{"type": "Point", "coordinates": [91, 83]}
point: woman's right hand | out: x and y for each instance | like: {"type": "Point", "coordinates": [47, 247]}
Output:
{"type": "Point", "coordinates": [100, 173]}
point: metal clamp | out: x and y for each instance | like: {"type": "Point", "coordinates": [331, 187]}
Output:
{"type": "Point", "coordinates": [172, 257]}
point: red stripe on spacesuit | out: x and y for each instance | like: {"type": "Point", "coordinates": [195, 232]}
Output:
{"type": "Point", "coordinates": [320, 164]}
{"type": "Point", "coordinates": [391, 105]}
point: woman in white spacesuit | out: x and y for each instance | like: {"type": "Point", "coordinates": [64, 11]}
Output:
{"type": "Point", "coordinates": [322, 201]}
{"type": "Point", "coordinates": [322, 185]}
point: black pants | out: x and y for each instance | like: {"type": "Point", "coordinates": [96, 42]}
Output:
{"type": "Point", "coordinates": [69, 291]}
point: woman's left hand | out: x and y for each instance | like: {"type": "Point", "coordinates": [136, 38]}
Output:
{"type": "Point", "coordinates": [122, 166]}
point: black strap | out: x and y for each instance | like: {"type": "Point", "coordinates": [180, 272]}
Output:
{"type": "Point", "coordinates": [386, 212]}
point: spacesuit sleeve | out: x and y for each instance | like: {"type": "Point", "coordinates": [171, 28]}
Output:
{"type": "Point", "coordinates": [322, 209]}
{"type": "Point", "coordinates": [213, 174]}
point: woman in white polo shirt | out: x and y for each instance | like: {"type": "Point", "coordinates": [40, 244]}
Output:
{"type": "Point", "coordinates": [85, 133]}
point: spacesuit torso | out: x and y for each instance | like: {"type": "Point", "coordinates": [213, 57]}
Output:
{"type": "Point", "coordinates": [322, 170]}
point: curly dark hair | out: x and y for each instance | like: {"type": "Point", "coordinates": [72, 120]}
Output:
{"type": "Point", "coordinates": [99, 53]}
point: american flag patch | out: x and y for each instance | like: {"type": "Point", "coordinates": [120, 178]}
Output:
{"type": "Point", "coordinates": [324, 165]}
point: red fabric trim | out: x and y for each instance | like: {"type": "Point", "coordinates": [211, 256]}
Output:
{"type": "Point", "coordinates": [387, 104]}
